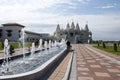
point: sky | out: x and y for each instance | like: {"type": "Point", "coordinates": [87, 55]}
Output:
{"type": "Point", "coordinates": [42, 16]}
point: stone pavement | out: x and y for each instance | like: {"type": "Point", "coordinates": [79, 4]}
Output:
{"type": "Point", "coordinates": [60, 71]}
{"type": "Point", "coordinates": [94, 64]}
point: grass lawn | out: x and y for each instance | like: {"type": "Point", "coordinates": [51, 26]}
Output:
{"type": "Point", "coordinates": [16, 45]}
{"type": "Point", "coordinates": [1, 46]}
{"type": "Point", "coordinates": [109, 49]}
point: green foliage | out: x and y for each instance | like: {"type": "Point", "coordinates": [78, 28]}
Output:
{"type": "Point", "coordinates": [1, 46]}
{"type": "Point", "coordinates": [28, 44]}
{"type": "Point", "coordinates": [104, 46]}
{"type": "Point", "coordinates": [16, 45]}
{"type": "Point", "coordinates": [109, 49]}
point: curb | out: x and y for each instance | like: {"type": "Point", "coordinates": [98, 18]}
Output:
{"type": "Point", "coordinates": [67, 73]}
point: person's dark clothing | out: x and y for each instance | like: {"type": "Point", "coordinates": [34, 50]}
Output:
{"type": "Point", "coordinates": [11, 49]}
{"type": "Point", "coordinates": [68, 45]}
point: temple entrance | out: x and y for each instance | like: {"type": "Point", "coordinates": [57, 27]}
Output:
{"type": "Point", "coordinates": [71, 34]}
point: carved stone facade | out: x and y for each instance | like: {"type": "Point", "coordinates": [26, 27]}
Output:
{"type": "Point", "coordinates": [74, 34]}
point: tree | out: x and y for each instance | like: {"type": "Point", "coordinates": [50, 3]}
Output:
{"type": "Point", "coordinates": [98, 43]}
{"type": "Point", "coordinates": [104, 46]}
{"type": "Point", "coordinates": [115, 47]}
{"type": "Point", "coordinates": [118, 43]}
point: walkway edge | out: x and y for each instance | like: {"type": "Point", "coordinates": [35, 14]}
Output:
{"type": "Point", "coordinates": [67, 73]}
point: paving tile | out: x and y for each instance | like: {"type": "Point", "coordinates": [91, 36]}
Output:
{"type": "Point", "coordinates": [104, 63]}
{"type": "Point", "coordinates": [88, 58]}
{"type": "Point", "coordinates": [108, 66]}
{"type": "Point", "coordinates": [98, 59]}
{"type": "Point", "coordinates": [83, 69]}
{"type": "Point", "coordinates": [95, 66]}
{"type": "Point", "coordinates": [84, 73]}
{"type": "Point", "coordinates": [85, 78]}
{"type": "Point", "coordinates": [102, 74]}
{"type": "Point", "coordinates": [82, 65]}
{"type": "Point", "coordinates": [59, 72]}
{"type": "Point", "coordinates": [114, 70]}
{"type": "Point", "coordinates": [118, 66]}
{"type": "Point", "coordinates": [82, 62]}
{"type": "Point", "coordinates": [91, 61]}
{"type": "Point", "coordinates": [110, 62]}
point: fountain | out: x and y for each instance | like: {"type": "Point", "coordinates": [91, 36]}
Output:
{"type": "Point", "coordinates": [5, 63]}
{"type": "Point", "coordinates": [40, 45]}
{"type": "Point", "coordinates": [50, 45]}
{"type": "Point", "coordinates": [22, 41]}
{"type": "Point", "coordinates": [33, 49]}
{"type": "Point", "coordinates": [46, 45]}
{"type": "Point", "coordinates": [55, 43]}
{"type": "Point", "coordinates": [29, 64]}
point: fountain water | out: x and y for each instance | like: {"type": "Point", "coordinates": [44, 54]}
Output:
{"type": "Point", "coordinates": [29, 64]}
{"type": "Point", "coordinates": [5, 63]}
{"type": "Point", "coordinates": [46, 45]}
{"type": "Point", "coordinates": [50, 45]}
{"type": "Point", "coordinates": [33, 49]}
{"type": "Point", "coordinates": [26, 63]}
{"type": "Point", "coordinates": [40, 44]}
{"type": "Point", "coordinates": [63, 43]}
{"type": "Point", "coordinates": [22, 41]}
{"type": "Point", "coordinates": [55, 43]}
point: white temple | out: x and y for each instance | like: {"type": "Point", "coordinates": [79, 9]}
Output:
{"type": "Point", "coordinates": [74, 34]}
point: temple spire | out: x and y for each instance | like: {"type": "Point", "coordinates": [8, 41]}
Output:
{"type": "Point", "coordinates": [77, 27]}
{"type": "Point", "coordinates": [72, 26]}
{"type": "Point", "coordinates": [86, 27]}
{"type": "Point", "coordinates": [68, 27]}
{"type": "Point", "coordinates": [58, 28]}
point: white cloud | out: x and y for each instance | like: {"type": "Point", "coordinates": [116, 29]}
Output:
{"type": "Point", "coordinates": [22, 11]}
{"type": "Point", "coordinates": [108, 6]}
{"type": "Point", "coordinates": [103, 26]}
{"type": "Point", "coordinates": [32, 4]}
{"type": "Point", "coordinates": [84, 1]}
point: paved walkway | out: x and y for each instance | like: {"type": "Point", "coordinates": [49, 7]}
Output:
{"type": "Point", "coordinates": [94, 64]}
{"type": "Point", "coordinates": [60, 71]}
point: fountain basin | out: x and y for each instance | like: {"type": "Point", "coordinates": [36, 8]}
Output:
{"type": "Point", "coordinates": [19, 55]}
{"type": "Point", "coordinates": [38, 73]}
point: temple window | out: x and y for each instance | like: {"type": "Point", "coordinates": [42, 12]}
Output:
{"type": "Point", "coordinates": [71, 34]}
{"type": "Point", "coordinates": [9, 33]}
{"type": "Point", "coordinates": [0, 33]}
{"type": "Point", "coordinates": [19, 33]}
